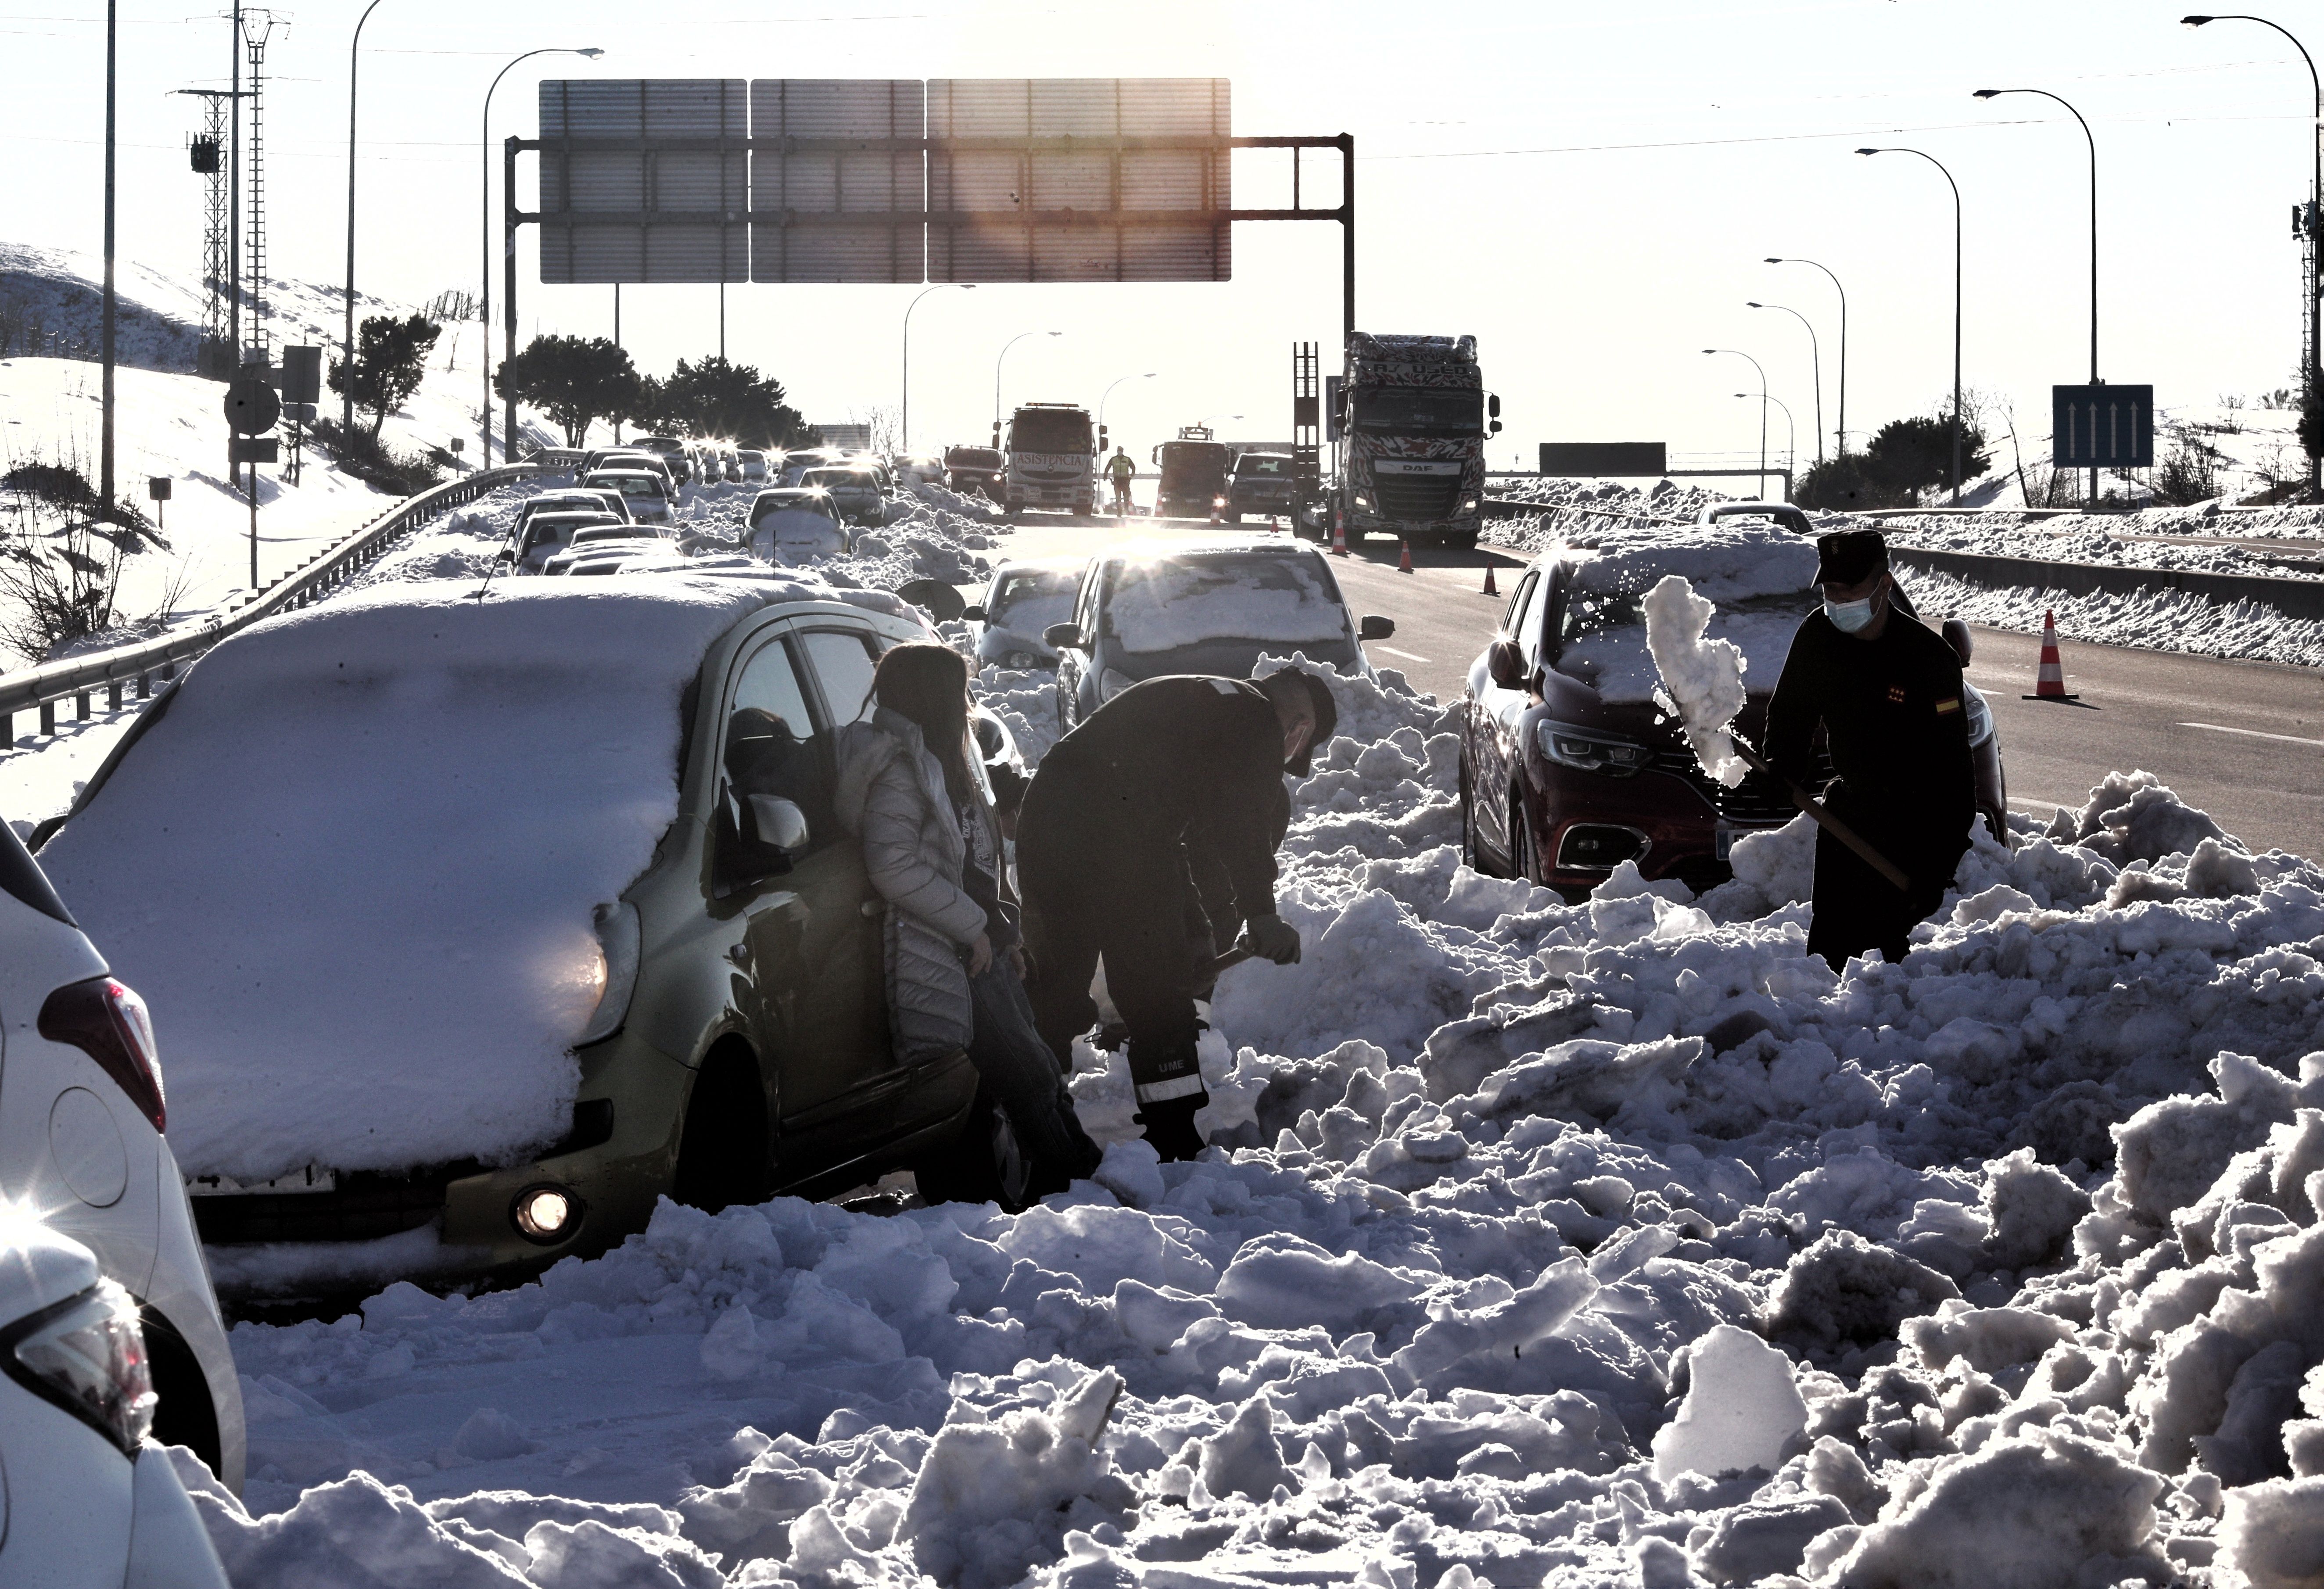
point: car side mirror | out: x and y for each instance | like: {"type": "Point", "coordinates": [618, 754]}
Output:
{"type": "Point", "coordinates": [972, 613]}
{"type": "Point", "coordinates": [781, 825]}
{"type": "Point", "coordinates": [504, 556]}
{"type": "Point", "coordinates": [1372, 626]}
{"type": "Point", "coordinates": [1065, 637]}
{"type": "Point", "coordinates": [1957, 635]}
{"type": "Point", "coordinates": [1494, 428]}
{"type": "Point", "coordinates": [1493, 405]}
{"type": "Point", "coordinates": [1504, 665]}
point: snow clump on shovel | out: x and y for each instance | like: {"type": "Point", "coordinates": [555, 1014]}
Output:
{"type": "Point", "coordinates": [1702, 680]}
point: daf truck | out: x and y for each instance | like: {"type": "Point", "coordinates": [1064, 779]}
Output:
{"type": "Point", "coordinates": [1413, 421]}
{"type": "Point", "coordinates": [1050, 459]}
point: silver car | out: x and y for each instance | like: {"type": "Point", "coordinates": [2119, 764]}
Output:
{"type": "Point", "coordinates": [1022, 600]}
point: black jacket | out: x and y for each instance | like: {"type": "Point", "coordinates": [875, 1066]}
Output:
{"type": "Point", "coordinates": [1178, 760]}
{"type": "Point", "coordinates": [1895, 728]}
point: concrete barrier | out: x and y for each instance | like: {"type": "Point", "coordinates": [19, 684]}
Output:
{"type": "Point", "coordinates": [2294, 598]}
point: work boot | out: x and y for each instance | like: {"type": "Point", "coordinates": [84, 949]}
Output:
{"type": "Point", "coordinates": [1170, 1127]}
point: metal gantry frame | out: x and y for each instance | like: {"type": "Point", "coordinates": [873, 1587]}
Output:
{"type": "Point", "coordinates": [1343, 212]}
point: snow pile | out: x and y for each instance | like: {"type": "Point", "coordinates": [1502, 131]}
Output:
{"type": "Point", "coordinates": [1579, 508]}
{"type": "Point", "coordinates": [279, 775]}
{"type": "Point", "coordinates": [1725, 563]}
{"type": "Point", "coordinates": [1703, 679]}
{"type": "Point", "coordinates": [2157, 619]}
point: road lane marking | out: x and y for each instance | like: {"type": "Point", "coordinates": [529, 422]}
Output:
{"type": "Point", "coordinates": [2254, 734]}
{"type": "Point", "coordinates": [1391, 651]}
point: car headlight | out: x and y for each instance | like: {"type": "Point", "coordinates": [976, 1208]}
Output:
{"type": "Point", "coordinates": [1020, 659]}
{"type": "Point", "coordinates": [616, 970]}
{"type": "Point", "coordinates": [1592, 751]}
{"type": "Point", "coordinates": [1362, 501]}
{"type": "Point", "coordinates": [1469, 506]}
{"type": "Point", "coordinates": [87, 1355]}
{"type": "Point", "coordinates": [1111, 683]}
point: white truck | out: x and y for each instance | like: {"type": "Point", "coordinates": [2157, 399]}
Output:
{"type": "Point", "coordinates": [1051, 459]}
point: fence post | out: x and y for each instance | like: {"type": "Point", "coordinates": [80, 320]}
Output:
{"type": "Point", "coordinates": [80, 706]}
{"type": "Point", "coordinates": [113, 695]}
{"type": "Point", "coordinates": [7, 731]}
{"type": "Point", "coordinates": [145, 686]}
{"type": "Point", "coordinates": [49, 718]}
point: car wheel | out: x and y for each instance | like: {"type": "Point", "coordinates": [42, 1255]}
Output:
{"type": "Point", "coordinates": [722, 1150]}
{"type": "Point", "coordinates": [1524, 864]}
{"type": "Point", "coordinates": [1472, 855]}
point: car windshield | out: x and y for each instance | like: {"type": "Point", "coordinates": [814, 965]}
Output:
{"type": "Point", "coordinates": [1256, 464]}
{"type": "Point", "coordinates": [1285, 601]}
{"type": "Point", "coordinates": [1602, 639]}
{"type": "Point", "coordinates": [1419, 410]}
{"type": "Point", "coordinates": [641, 485]}
{"type": "Point", "coordinates": [845, 479]}
{"type": "Point", "coordinates": [1033, 600]}
{"type": "Point", "coordinates": [819, 506]}
{"type": "Point", "coordinates": [1041, 431]}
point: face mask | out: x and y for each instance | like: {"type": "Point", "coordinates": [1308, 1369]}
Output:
{"type": "Point", "coordinates": [1848, 617]}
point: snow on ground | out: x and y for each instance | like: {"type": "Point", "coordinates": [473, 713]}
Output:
{"type": "Point", "coordinates": [2128, 541]}
{"type": "Point", "coordinates": [2157, 620]}
{"type": "Point", "coordinates": [2002, 1265]}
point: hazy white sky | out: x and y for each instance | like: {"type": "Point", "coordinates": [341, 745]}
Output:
{"type": "Point", "coordinates": [1590, 190]}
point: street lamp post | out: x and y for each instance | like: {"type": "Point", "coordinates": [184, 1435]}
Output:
{"type": "Point", "coordinates": [347, 340]}
{"type": "Point", "coordinates": [484, 245]}
{"type": "Point", "coordinates": [1738, 353]}
{"type": "Point", "coordinates": [1005, 346]}
{"type": "Point", "coordinates": [1815, 364]}
{"type": "Point", "coordinates": [1790, 434]}
{"type": "Point", "coordinates": [2093, 143]}
{"type": "Point", "coordinates": [1147, 375]}
{"type": "Point", "coordinates": [2314, 228]}
{"type": "Point", "coordinates": [1940, 164]}
{"type": "Point", "coordinates": [905, 422]}
{"type": "Point", "coordinates": [1841, 437]}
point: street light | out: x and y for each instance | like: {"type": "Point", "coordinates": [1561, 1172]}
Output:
{"type": "Point", "coordinates": [1791, 433]}
{"type": "Point", "coordinates": [1940, 164]}
{"type": "Point", "coordinates": [1005, 346]}
{"type": "Point", "coordinates": [485, 246]}
{"type": "Point", "coordinates": [347, 341]}
{"type": "Point", "coordinates": [1815, 363]}
{"type": "Point", "coordinates": [1840, 436]}
{"type": "Point", "coordinates": [1738, 353]}
{"type": "Point", "coordinates": [2044, 93]}
{"type": "Point", "coordinates": [1147, 376]}
{"type": "Point", "coordinates": [2314, 370]}
{"type": "Point", "coordinates": [905, 424]}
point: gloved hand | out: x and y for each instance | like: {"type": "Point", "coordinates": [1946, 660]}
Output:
{"type": "Point", "coordinates": [1273, 938]}
{"type": "Point", "coordinates": [1170, 1126]}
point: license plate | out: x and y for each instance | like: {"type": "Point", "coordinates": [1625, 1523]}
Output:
{"type": "Point", "coordinates": [313, 1178]}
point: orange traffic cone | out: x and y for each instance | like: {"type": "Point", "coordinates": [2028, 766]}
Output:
{"type": "Point", "coordinates": [1272, 527]}
{"type": "Point", "coordinates": [1404, 563]}
{"type": "Point", "coordinates": [2050, 678]}
{"type": "Point", "coordinates": [1215, 517]}
{"type": "Point", "coordinates": [1491, 588]}
{"type": "Point", "coordinates": [1339, 534]}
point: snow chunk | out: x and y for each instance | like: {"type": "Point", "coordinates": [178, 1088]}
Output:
{"type": "Point", "coordinates": [1705, 678]}
{"type": "Point", "coordinates": [1741, 1408]}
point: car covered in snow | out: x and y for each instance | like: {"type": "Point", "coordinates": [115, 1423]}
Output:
{"type": "Point", "coordinates": [83, 1113]}
{"type": "Point", "coordinates": [753, 463]}
{"type": "Point", "coordinates": [599, 541]}
{"type": "Point", "coordinates": [1021, 600]}
{"type": "Point", "coordinates": [544, 535]}
{"type": "Point", "coordinates": [572, 500]}
{"type": "Point", "coordinates": [517, 914]}
{"type": "Point", "coordinates": [672, 450]}
{"type": "Point", "coordinates": [648, 498]}
{"type": "Point", "coordinates": [855, 490]}
{"type": "Point", "coordinates": [792, 523]}
{"type": "Point", "coordinates": [1784, 516]}
{"type": "Point", "coordinates": [629, 458]}
{"type": "Point", "coordinates": [1142, 612]}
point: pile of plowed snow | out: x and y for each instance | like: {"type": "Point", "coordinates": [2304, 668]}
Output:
{"type": "Point", "coordinates": [1587, 1244]}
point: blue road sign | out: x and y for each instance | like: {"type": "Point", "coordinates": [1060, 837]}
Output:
{"type": "Point", "coordinates": [2102, 427]}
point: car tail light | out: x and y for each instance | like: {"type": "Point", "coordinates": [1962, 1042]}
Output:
{"type": "Point", "coordinates": [105, 1019]}
{"type": "Point", "coordinates": [87, 1355]}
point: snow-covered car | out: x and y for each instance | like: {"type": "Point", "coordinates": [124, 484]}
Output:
{"type": "Point", "coordinates": [674, 452]}
{"type": "Point", "coordinates": [545, 535]}
{"type": "Point", "coordinates": [648, 498]}
{"type": "Point", "coordinates": [752, 464]}
{"type": "Point", "coordinates": [629, 458]}
{"type": "Point", "coordinates": [792, 524]}
{"type": "Point", "coordinates": [1145, 611]}
{"type": "Point", "coordinates": [478, 979]}
{"type": "Point", "coordinates": [82, 1114]}
{"type": "Point", "coordinates": [800, 459]}
{"type": "Point", "coordinates": [1020, 602]}
{"type": "Point", "coordinates": [1784, 516]}
{"type": "Point", "coordinates": [573, 501]}
{"type": "Point", "coordinates": [603, 540]}
{"type": "Point", "coordinates": [91, 1503]}
{"type": "Point", "coordinates": [1568, 765]}
{"type": "Point", "coordinates": [854, 491]}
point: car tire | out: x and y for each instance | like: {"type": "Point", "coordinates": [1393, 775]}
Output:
{"type": "Point", "coordinates": [1472, 854]}
{"type": "Point", "coordinates": [723, 1158]}
{"type": "Point", "coordinates": [1524, 864]}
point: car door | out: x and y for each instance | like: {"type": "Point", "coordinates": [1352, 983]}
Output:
{"type": "Point", "coordinates": [1493, 728]}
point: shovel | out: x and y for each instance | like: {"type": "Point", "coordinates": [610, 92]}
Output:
{"type": "Point", "coordinates": [1824, 819]}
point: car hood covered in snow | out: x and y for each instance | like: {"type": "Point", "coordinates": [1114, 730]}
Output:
{"type": "Point", "coordinates": [352, 867]}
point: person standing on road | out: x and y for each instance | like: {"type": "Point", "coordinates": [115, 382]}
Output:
{"type": "Point", "coordinates": [1171, 774]}
{"type": "Point", "coordinates": [1888, 694]}
{"type": "Point", "coordinates": [932, 852]}
{"type": "Point", "coordinates": [1119, 470]}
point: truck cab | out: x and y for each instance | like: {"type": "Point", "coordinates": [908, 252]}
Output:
{"type": "Point", "coordinates": [1051, 459]}
{"type": "Point", "coordinates": [1413, 424]}
{"type": "Point", "coordinates": [1194, 470]}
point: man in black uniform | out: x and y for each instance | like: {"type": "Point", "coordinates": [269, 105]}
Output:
{"type": "Point", "coordinates": [1170, 775]}
{"type": "Point", "coordinates": [1888, 694]}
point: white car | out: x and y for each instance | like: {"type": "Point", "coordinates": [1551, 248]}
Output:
{"type": "Point", "coordinates": [1020, 603]}
{"type": "Point", "coordinates": [792, 524]}
{"type": "Point", "coordinates": [648, 498]}
{"type": "Point", "coordinates": [82, 1110]}
{"type": "Point", "coordinates": [754, 464]}
{"type": "Point", "coordinates": [603, 540]}
{"type": "Point", "coordinates": [89, 1501]}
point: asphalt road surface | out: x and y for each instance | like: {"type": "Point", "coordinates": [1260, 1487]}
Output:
{"type": "Point", "coordinates": [2244, 741]}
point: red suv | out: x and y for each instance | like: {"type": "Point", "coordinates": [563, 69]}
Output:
{"type": "Point", "coordinates": [1568, 766]}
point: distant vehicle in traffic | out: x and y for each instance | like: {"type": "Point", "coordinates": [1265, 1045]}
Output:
{"type": "Point", "coordinates": [545, 535]}
{"type": "Point", "coordinates": [1261, 488]}
{"type": "Point", "coordinates": [647, 494]}
{"type": "Point", "coordinates": [1021, 600]}
{"type": "Point", "coordinates": [853, 490]}
{"type": "Point", "coordinates": [583, 986]}
{"type": "Point", "coordinates": [793, 524]}
{"type": "Point", "coordinates": [572, 500]}
{"type": "Point", "coordinates": [974, 471]}
{"type": "Point", "coordinates": [602, 541]}
{"type": "Point", "coordinates": [1413, 423]}
{"type": "Point", "coordinates": [629, 458]}
{"type": "Point", "coordinates": [1783, 514]}
{"type": "Point", "coordinates": [82, 1143]}
{"type": "Point", "coordinates": [1052, 460]}
{"type": "Point", "coordinates": [753, 464]}
{"type": "Point", "coordinates": [1194, 475]}
{"type": "Point", "coordinates": [798, 460]}
{"type": "Point", "coordinates": [1144, 612]}
{"type": "Point", "coordinates": [673, 451]}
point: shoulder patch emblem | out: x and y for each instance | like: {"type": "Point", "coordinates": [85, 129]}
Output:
{"type": "Point", "coordinates": [1895, 694]}
{"type": "Point", "coordinates": [1949, 703]}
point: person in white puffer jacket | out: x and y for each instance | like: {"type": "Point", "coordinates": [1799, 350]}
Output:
{"type": "Point", "coordinates": [912, 788]}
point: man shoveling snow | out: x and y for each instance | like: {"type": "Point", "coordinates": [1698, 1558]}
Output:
{"type": "Point", "coordinates": [1888, 694]}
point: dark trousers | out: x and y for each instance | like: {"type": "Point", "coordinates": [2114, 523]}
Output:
{"type": "Point", "coordinates": [1856, 910]}
{"type": "Point", "coordinates": [1019, 1072]}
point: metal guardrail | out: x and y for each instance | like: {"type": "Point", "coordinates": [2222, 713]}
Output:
{"type": "Point", "coordinates": [120, 669]}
